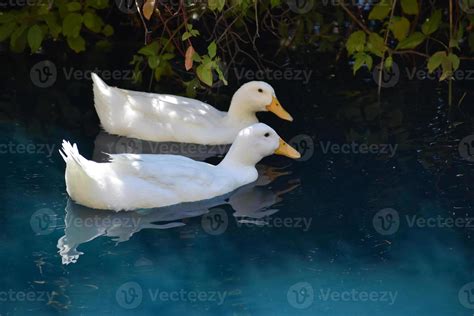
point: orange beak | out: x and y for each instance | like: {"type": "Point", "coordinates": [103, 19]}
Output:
{"type": "Point", "coordinates": [286, 150]}
{"type": "Point", "coordinates": [279, 111]}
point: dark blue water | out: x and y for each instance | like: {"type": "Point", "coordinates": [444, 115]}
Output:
{"type": "Point", "coordinates": [348, 230]}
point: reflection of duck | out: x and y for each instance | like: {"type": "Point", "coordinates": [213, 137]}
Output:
{"type": "Point", "coordinates": [131, 181]}
{"type": "Point", "coordinates": [106, 143]}
{"type": "Point", "coordinates": [83, 224]}
{"type": "Point", "coordinates": [170, 118]}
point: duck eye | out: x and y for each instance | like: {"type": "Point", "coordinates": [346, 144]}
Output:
{"type": "Point", "coordinates": [260, 90]}
{"type": "Point", "coordinates": [267, 135]}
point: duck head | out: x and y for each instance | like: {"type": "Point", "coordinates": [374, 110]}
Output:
{"type": "Point", "coordinates": [256, 96]}
{"type": "Point", "coordinates": [255, 142]}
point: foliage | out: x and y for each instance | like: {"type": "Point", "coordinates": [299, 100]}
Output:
{"type": "Point", "coordinates": [53, 20]}
{"type": "Point", "coordinates": [195, 41]}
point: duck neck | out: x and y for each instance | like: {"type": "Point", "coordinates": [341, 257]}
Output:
{"type": "Point", "coordinates": [239, 111]}
{"type": "Point", "coordinates": [240, 158]}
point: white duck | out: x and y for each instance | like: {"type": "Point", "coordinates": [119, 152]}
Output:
{"type": "Point", "coordinates": [131, 181]}
{"type": "Point", "coordinates": [161, 117]}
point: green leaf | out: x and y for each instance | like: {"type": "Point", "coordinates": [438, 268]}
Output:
{"type": "Point", "coordinates": [400, 28]}
{"type": "Point", "coordinates": [74, 6]}
{"type": "Point", "coordinates": [6, 30]}
{"type": "Point", "coordinates": [150, 49]}
{"type": "Point", "coordinates": [204, 73]}
{"type": "Point", "coordinates": [197, 58]}
{"type": "Point", "coordinates": [355, 42]}
{"type": "Point", "coordinates": [411, 41]}
{"type": "Point", "coordinates": [361, 59]}
{"type": "Point", "coordinates": [410, 7]}
{"type": "Point", "coordinates": [108, 30]}
{"type": "Point", "coordinates": [72, 25]}
{"type": "Point", "coordinates": [52, 21]}
{"type": "Point", "coordinates": [216, 5]}
{"type": "Point", "coordinates": [376, 44]}
{"type": "Point", "coordinates": [18, 39]}
{"type": "Point", "coordinates": [471, 41]}
{"type": "Point", "coordinates": [6, 17]}
{"type": "Point", "coordinates": [435, 60]}
{"type": "Point", "coordinates": [153, 61]}
{"type": "Point", "coordinates": [97, 4]}
{"type": "Point", "coordinates": [275, 3]}
{"type": "Point", "coordinates": [77, 44]}
{"type": "Point", "coordinates": [455, 61]}
{"type": "Point", "coordinates": [93, 22]}
{"type": "Point", "coordinates": [388, 62]}
{"type": "Point", "coordinates": [432, 24]}
{"type": "Point", "coordinates": [211, 49]}
{"type": "Point", "coordinates": [35, 37]}
{"type": "Point", "coordinates": [221, 75]}
{"type": "Point", "coordinates": [381, 10]}
{"type": "Point", "coordinates": [185, 36]}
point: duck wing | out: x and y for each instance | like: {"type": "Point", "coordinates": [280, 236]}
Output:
{"type": "Point", "coordinates": [171, 108]}
{"type": "Point", "coordinates": [168, 171]}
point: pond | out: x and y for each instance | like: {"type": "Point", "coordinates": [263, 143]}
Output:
{"type": "Point", "coordinates": [375, 218]}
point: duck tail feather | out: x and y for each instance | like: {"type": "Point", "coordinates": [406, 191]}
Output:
{"type": "Point", "coordinates": [70, 154]}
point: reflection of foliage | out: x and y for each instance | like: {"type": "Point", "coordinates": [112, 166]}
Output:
{"type": "Point", "coordinates": [54, 20]}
